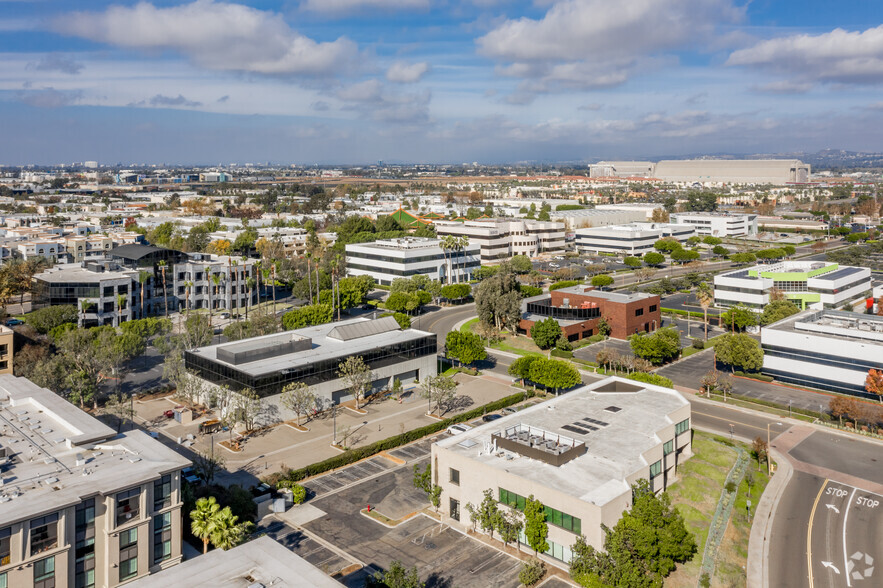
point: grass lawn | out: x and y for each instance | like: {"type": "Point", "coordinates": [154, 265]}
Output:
{"type": "Point", "coordinates": [696, 496]}
{"type": "Point", "coordinates": [517, 344]}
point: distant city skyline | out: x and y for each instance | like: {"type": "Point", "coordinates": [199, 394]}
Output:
{"type": "Point", "coordinates": [450, 81]}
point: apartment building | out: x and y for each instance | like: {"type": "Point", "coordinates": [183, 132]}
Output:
{"type": "Point", "coordinates": [81, 505]}
{"type": "Point", "coordinates": [500, 239]}
{"type": "Point", "coordinates": [632, 239]}
{"type": "Point", "coordinates": [228, 282]}
{"type": "Point", "coordinates": [809, 284]}
{"type": "Point", "coordinates": [7, 349]}
{"type": "Point", "coordinates": [110, 292]}
{"type": "Point", "coordinates": [388, 259]}
{"type": "Point", "coordinates": [718, 224]}
{"type": "Point", "coordinates": [578, 454]}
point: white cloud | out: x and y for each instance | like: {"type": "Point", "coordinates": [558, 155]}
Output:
{"type": "Point", "coordinates": [57, 62]}
{"type": "Point", "coordinates": [598, 43]}
{"type": "Point", "coordinates": [373, 99]}
{"type": "Point", "coordinates": [215, 35]}
{"type": "Point", "coordinates": [50, 97]}
{"type": "Point", "coordinates": [839, 56]}
{"type": "Point", "coordinates": [348, 6]}
{"type": "Point", "coordinates": [401, 72]}
{"type": "Point", "coordinates": [784, 87]}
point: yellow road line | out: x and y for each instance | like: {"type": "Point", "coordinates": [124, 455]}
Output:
{"type": "Point", "coordinates": [812, 515]}
{"type": "Point", "coordinates": [735, 422]}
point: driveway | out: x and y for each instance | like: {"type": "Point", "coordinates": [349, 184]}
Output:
{"type": "Point", "coordinates": [590, 352]}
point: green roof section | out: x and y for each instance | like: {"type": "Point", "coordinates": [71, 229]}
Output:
{"type": "Point", "coordinates": [408, 219]}
{"type": "Point", "coordinates": [793, 276]}
{"type": "Point", "coordinates": [803, 298]}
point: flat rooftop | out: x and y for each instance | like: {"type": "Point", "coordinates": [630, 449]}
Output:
{"type": "Point", "coordinates": [74, 272]}
{"type": "Point", "coordinates": [615, 420]}
{"type": "Point", "coordinates": [260, 563]}
{"type": "Point", "coordinates": [836, 325]}
{"type": "Point", "coordinates": [53, 454]}
{"type": "Point", "coordinates": [328, 341]}
{"type": "Point", "coordinates": [401, 244]}
{"type": "Point", "coordinates": [621, 297]}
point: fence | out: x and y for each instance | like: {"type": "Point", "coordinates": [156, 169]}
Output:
{"type": "Point", "coordinates": [721, 518]}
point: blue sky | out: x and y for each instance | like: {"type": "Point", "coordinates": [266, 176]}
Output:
{"type": "Point", "coordinates": [355, 81]}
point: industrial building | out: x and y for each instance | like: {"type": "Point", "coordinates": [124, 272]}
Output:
{"type": "Point", "coordinates": [500, 239]}
{"type": "Point", "coordinates": [388, 259]}
{"type": "Point", "coordinates": [578, 454]}
{"type": "Point", "coordinates": [622, 169]}
{"type": "Point", "coordinates": [733, 171]}
{"type": "Point", "coordinates": [718, 224]}
{"type": "Point", "coordinates": [81, 505]}
{"type": "Point", "coordinates": [825, 349]}
{"type": "Point", "coordinates": [631, 239]}
{"type": "Point", "coordinates": [809, 284]}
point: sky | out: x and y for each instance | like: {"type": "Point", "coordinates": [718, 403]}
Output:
{"type": "Point", "coordinates": [434, 81]}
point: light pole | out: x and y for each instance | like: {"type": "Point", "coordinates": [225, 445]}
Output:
{"type": "Point", "coordinates": [334, 422]}
{"type": "Point", "coordinates": [789, 408]}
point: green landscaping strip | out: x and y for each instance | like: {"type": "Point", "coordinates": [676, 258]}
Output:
{"type": "Point", "coordinates": [721, 518]}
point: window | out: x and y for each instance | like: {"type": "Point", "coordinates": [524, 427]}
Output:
{"type": "Point", "coordinates": [5, 536]}
{"type": "Point", "coordinates": [652, 308]}
{"type": "Point", "coordinates": [4, 365]}
{"type": "Point", "coordinates": [668, 447]}
{"type": "Point", "coordinates": [454, 476]}
{"type": "Point", "coordinates": [128, 554]}
{"type": "Point", "coordinates": [44, 573]}
{"type": "Point", "coordinates": [162, 537]}
{"type": "Point", "coordinates": [639, 312]}
{"type": "Point", "coordinates": [4, 583]}
{"type": "Point", "coordinates": [655, 469]}
{"type": "Point", "coordinates": [44, 533]}
{"type": "Point", "coordinates": [162, 492]}
{"type": "Point", "coordinates": [682, 427]}
{"type": "Point", "coordinates": [553, 516]}
{"type": "Point", "coordinates": [4, 349]}
{"type": "Point", "coordinates": [84, 567]}
{"type": "Point", "coordinates": [128, 504]}
{"type": "Point", "coordinates": [455, 509]}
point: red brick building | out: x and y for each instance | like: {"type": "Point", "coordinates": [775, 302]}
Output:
{"type": "Point", "coordinates": [579, 309]}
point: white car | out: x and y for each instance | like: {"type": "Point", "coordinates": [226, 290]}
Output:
{"type": "Point", "coordinates": [457, 429]}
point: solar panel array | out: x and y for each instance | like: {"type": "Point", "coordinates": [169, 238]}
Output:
{"type": "Point", "coordinates": [585, 426]}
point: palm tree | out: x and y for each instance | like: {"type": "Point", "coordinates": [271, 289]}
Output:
{"type": "Point", "coordinates": [121, 302]}
{"type": "Point", "coordinates": [460, 246]}
{"type": "Point", "coordinates": [309, 256]}
{"type": "Point", "coordinates": [705, 296]}
{"type": "Point", "coordinates": [143, 276]}
{"type": "Point", "coordinates": [250, 283]}
{"type": "Point", "coordinates": [165, 294]}
{"type": "Point", "coordinates": [226, 532]}
{"type": "Point", "coordinates": [203, 519]}
{"type": "Point", "coordinates": [445, 245]}
{"type": "Point", "coordinates": [259, 264]}
{"type": "Point", "coordinates": [334, 265]}
{"type": "Point", "coordinates": [85, 305]}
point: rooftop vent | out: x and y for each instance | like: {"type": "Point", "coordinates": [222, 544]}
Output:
{"type": "Point", "coordinates": [613, 409]}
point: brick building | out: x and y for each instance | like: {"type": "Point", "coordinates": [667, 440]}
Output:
{"type": "Point", "coordinates": [579, 309]}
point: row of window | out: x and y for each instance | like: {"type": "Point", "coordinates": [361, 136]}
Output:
{"type": "Point", "coordinates": [815, 358]}
{"type": "Point", "coordinates": [452, 255]}
{"type": "Point", "coordinates": [553, 516]}
{"type": "Point", "coordinates": [682, 427]}
{"type": "Point", "coordinates": [411, 271]}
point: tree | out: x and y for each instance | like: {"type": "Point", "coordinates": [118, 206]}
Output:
{"type": "Point", "coordinates": [456, 291]}
{"type": "Point", "coordinates": [739, 317]}
{"type": "Point", "coordinates": [739, 350]}
{"type": "Point", "coordinates": [535, 527]}
{"type": "Point", "coordinates": [227, 532]}
{"type": "Point", "coordinates": [508, 525]}
{"type": "Point", "coordinates": [203, 519]}
{"type": "Point", "coordinates": [306, 316]}
{"type": "Point", "coordinates": [247, 407]}
{"type": "Point", "coordinates": [653, 258]}
{"type": "Point", "coordinates": [667, 244]}
{"type": "Point", "coordinates": [659, 347]}
{"type": "Point", "coordinates": [46, 319]}
{"type": "Point", "coordinates": [684, 255]}
{"type": "Point", "coordinates": [743, 257]}
{"type": "Point", "coordinates": [709, 240]}
{"type": "Point", "coordinates": [705, 296]}
{"type": "Point", "coordinates": [465, 347]}
{"type": "Point", "coordinates": [520, 264]}
{"type": "Point", "coordinates": [602, 281]}
{"type": "Point", "coordinates": [554, 374]}
{"type": "Point", "coordinates": [520, 368]}
{"type": "Point", "coordinates": [874, 383]}
{"type": "Point", "coordinates": [632, 261]}
{"type": "Point", "coordinates": [604, 326]}
{"type": "Point", "coordinates": [760, 449]}
{"type": "Point", "coordinates": [120, 407]}
{"type": "Point", "coordinates": [397, 576]}
{"type": "Point", "coordinates": [777, 310]}
{"type": "Point", "coordinates": [545, 333]}
{"type": "Point", "coordinates": [498, 299]}
{"type": "Point", "coordinates": [488, 513]}
{"type": "Point", "coordinates": [357, 376]}
{"type": "Point", "coordinates": [720, 251]}
{"type": "Point", "coordinates": [709, 381]}
{"type": "Point", "coordinates": [439, 389]}
{"type": "Point", "coordinates": [298, 398]}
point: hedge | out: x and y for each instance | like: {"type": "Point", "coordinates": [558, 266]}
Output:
{"type": "Point", "coordinates": [564, 284]}
{"type": "Point", "coordinates": [654, 379]}
{"type": "Point", "coordinates": [679, 312]}
{"type": "Point", "coordinates": [561, 353]}
{"type": "Point", "coordinates": [760, 377]}
{"type": "Point", "coordinates": [597, 338]}
{"type": "Point", "coordinates": [360, 453]}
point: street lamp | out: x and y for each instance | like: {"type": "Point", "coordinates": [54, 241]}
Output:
{"type": "Point", "coordinates": [768, 464]}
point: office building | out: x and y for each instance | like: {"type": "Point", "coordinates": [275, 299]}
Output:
{"type": "Point", "coordinates": [718, 224]}
{"type": "Point", "coordinates": [824, 349]}
{"type": "Point", "coordinates": [222, 280]}
{"type": "Point", "coordinates": [313, 355]}
{"type": "Point", "coordinates": [260, 563]}
{"type": "Point", "coordinates": [809, 284]}
{"type": "Point", "coordinates": [579, 309]}
{"type": "Point", "coordinates": [7, 349]}
{"type": "Point", "coordinates": [80, 504]}
{"type": "Point", "coordinates": [578, 454]}
{"type": "Point", "coordinates": [632, 239]}
{"type": "Point", "coordinates": [388, 259]}
{"type": "Point", "coordinates": [594, 217]}
{"type": "Point", "coordinates": [500, 239]}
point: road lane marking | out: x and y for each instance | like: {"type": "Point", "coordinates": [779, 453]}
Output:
{"type": "Point", "coordinates": [711, 416]}
{"type": "Point", "coordinates": [846, 516]}
{"type": "Point", "coordinates": [812, 515]}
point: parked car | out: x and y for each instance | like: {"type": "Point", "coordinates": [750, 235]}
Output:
{"type": "Point", "coordinates": [225, 315]}
{"type": "Point", "coordinates": [190, 476]}
{"type": "Point", "coordinates": [491, 417]}
{"type": "Point", "coordinates": [459, 428]}
{"type": "Point", "coordinates": [14, 322]}
{"type": "Point", "coordinates": [509, 410]}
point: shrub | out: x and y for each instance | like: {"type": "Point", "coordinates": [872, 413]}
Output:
{"type": "Point", "coordinates": [532, 572]}
{"type": "Point", "coordinates": [528, 291]}
{"type": "Point", "coordinates": [563, 344]}
{"type": "Point", "coordinates": [46, 319]}
{"type": "Point", "coordinates": [298, 493]}
{"type": "Point", "coordinates": [654, 379]}
{"type": "Point", "coordinates": [698, 344]}
{"type": "Point", "coordinates": [753, 376]}
{"type": "Point", "coordinates": [561, 353]}
{"type": "Point", "coordinates": [564, 284]}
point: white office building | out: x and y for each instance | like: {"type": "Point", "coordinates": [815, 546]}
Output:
{"type": "Point", "coordinates": [718, 224]}
{"type": "Point", "coordinates": [595, 217]}
{"type": "Point", "coordinates": [388, 259]}
{"type": "Point", "coordinates": [809, 284]}
{"type": "Point", "coordinates": [825, 349]}
{"type": "Point", "coordinates": [500, 239]}
{"type": "Point", "coordinates": [632, 239]}
{"type": "Point", "coordinates": [578, 453]}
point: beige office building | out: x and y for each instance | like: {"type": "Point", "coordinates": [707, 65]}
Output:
{"type": "Point", "coordinates": [578, 454]}
{"type": "Point", "coordinates": [7, 336]}
{"type": "Point", "coordinates": [80, 505]}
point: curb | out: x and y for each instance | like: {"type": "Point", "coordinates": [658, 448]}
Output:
{"type": "Point", "coordinates": [758, 574]}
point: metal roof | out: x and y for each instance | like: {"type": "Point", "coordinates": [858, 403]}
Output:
{"type": "Point", "coordinates": [364, 329]}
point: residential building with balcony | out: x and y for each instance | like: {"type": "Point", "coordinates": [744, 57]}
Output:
{"type": "Point", "coordinates": [388, 259]}
{"type": "Point", "coordinates": [578, 454]}
{"type": "Point", "coordinates": [81, 505]}
{"type": "Point", "coordinates": [500, 239]}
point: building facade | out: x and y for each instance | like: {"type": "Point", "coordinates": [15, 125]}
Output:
{"type": "Point", "coordinates": [578, 454]}
{"type": "Point", "coordinates": [7, 349]}
{"type": "Point", "coordinates": [500, 239]}
{"type": "Point", "coordinates": [579, 310]}
{"type": "Point", "coordinates": [718, 224]}
{"type": "Point", "coordinates": [86, 507]}
{"type": "Point", "coordinates": [809, 284]}
{"type": "Point", "coordinates": [825, 349]}
{"type": "Point", "coordinates": [777, 172]}
{"type": "Point", "coordinates": [633, 239]}
{"type": "Point", "coordinates": [388, 259]}
{"type": "Point", "coordinates": [215, 282]}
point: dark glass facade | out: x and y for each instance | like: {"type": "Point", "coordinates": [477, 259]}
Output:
{"type": "Point", "coordinates": [545, 308]}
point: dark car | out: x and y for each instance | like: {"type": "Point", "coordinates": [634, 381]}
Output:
{"type": "Point", "coordinates": [14, 322]}
{"type": "Point", "coordinates": [490, 417]}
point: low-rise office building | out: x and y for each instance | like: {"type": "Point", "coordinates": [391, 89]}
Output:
{"type": "Point", "coordinates": [215, 281]}
{"type": "Point", "coordinates": [313, 355]}
{"type": "Point", "coordinates": [578, 454]}
{"type": "Point", "coordinates": [81, 505]}
{"type": "Point", "coordinates": [595, 217]}
{"type": "Point", "coordinates": [632, 239]}
{"type": "Point", "coordinates": [579, 310]}
{"type": "Point", "coordinates": [388, 259]}
{"type": "Point", "coordinates": [825, 349]}
{"type": "Point", "coordinates": [718, 224]}
{"type": "Point", "coordinates": [809, 284]}
{"type": "Point", "coordinates": [7, 349]}
{"type": "Point", "coordinates": [500, 239]}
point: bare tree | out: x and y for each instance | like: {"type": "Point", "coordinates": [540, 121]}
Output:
{"type": "Point", "coordinates": [439, 389]}
{"type": "Point", "coordinates": [120, 407]}
{"type": "Point", "coordinates": [298, 398]}
{"type": "Point", "coordinates": [357, 375]}
{"type": "Point", "coordinates": [248, 405]}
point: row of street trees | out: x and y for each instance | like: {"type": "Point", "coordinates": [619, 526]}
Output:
{"type": "Point", "coordinates": [551, 374]}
